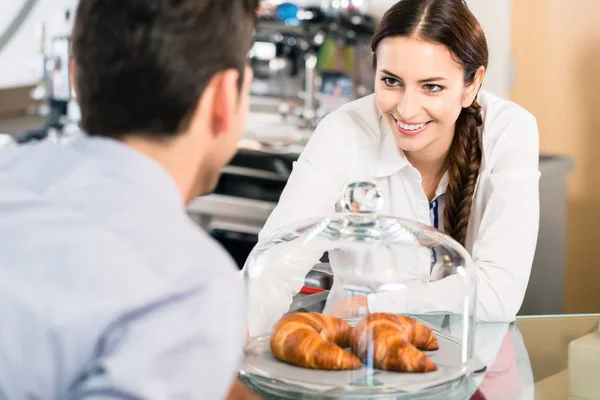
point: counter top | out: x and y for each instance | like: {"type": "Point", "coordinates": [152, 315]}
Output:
{"type": "Point", "coordinates": [531, 361]}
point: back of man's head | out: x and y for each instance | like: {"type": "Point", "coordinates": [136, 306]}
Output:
{"type": "Point", "coordinates": [142, 65]}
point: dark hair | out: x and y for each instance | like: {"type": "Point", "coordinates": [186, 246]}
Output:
{"type": "Point", "coordinates": [142, 65]}
{"type": "Point", "coordinates": [450, 23]}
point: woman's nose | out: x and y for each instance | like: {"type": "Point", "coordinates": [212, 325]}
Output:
{"type": "Point", "coordinates": [409, 107]}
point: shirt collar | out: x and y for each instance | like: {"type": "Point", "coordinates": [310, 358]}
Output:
{"type": "Point", "coordinates": [391, 159]}
{"type": "Point", "coordinates": [131, 165]}
{"type": "Point", "coordinates": [441, 189]}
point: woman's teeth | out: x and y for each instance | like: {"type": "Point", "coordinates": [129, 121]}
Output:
{"type": "Point", "coordinates": [409, 127]}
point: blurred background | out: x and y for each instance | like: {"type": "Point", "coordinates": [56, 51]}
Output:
{"type": "Point", "coordinates": [312, 56]}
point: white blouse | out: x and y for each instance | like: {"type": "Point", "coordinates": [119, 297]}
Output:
{"type": "Point", "coordinates": [354, 143]}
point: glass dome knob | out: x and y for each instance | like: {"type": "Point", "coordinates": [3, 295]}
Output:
{"type": "Point", "coordinates": [362, 198]}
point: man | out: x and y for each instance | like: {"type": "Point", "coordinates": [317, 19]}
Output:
{"type": "Point", "coordinates": [107, 289]}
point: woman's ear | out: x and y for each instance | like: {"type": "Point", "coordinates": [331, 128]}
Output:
{"type": "Point", "coordinates": [473, 88]}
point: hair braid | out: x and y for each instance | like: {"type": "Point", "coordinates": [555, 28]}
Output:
{"type": "Point", "coordinates": [464, 160]}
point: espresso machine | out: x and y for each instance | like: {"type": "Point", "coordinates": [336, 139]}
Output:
{"type": "Point", "coordinates": [307, 61]}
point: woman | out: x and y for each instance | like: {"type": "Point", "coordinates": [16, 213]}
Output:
{"type": "Point", "coordinates": [444, 152]}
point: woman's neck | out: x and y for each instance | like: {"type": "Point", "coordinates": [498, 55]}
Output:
{"type": "Point", "coordinates": [429, 164]}
{"type": "Point", "coordinates": [431, 160]}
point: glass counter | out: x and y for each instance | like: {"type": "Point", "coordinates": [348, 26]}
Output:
{"type": "Point", "coordinates": [527, 359]}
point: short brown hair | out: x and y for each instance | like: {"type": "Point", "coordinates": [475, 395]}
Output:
{"type": "Point", "coordinates": [142, 65]}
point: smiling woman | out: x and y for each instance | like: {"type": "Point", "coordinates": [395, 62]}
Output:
{"type": "Point", "coordinates": [444, 153]}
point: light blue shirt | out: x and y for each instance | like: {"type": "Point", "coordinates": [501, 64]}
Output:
{"type": "Point", "coordinates": [107, 288]}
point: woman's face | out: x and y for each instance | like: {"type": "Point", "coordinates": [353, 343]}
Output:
{"type": "Point", "coordinates": [420, 91]}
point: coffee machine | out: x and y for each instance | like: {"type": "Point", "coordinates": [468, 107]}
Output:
{"type": "Point", "coordinates": [307, 61]}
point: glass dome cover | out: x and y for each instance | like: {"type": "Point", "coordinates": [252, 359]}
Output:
{"type": "Point", "coordinates": [359, 304]}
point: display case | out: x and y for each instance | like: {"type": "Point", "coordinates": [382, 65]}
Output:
{"type": "Point", "coordinates": [397, 322]}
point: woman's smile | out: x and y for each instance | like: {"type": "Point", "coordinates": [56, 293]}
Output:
{"type": "Point", "coordinates": [410, 128]}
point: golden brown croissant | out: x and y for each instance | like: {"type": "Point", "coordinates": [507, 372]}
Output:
{"type": "Point", "coordinates": [313, 340]}
{"type": "Point", "coordinates": [393, 342]}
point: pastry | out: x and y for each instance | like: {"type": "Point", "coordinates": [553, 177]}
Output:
{"type": "Point", "coordinates": [313, 340]}
{"type": "Point", "coordinates": [394, 343]}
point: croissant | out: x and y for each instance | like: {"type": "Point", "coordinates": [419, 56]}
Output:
{"type": "Point", "coordinates": [394, 343]}
{"type": "Point", "coordinates": [313, 340]}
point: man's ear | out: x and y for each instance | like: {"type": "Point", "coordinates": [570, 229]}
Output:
{"type": "Point", "coordinates": [474, 87]}
{"type": "Point", "coordinates": [216, 109]}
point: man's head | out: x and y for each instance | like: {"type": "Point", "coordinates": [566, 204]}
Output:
{"type": "Point", "coordinates": [167, 77]}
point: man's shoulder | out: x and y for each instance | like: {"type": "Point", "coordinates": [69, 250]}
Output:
{"type": "Point", "coordinates": [211, 255]}
{"type": "Point", "coordinates": [96, 221]}
{"type": "Point", "coordinates": [173, 248]}
{"type": "Point", "coordinates": [51, 239]}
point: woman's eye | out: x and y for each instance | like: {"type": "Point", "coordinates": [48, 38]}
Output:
{"type": "Point", "coordinates": [390, 81]}
{"type": "Point", "coordinates": [430, 87]}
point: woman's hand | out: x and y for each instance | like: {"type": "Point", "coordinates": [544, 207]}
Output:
{"type": "Point", "coordinates": [350, 307]}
